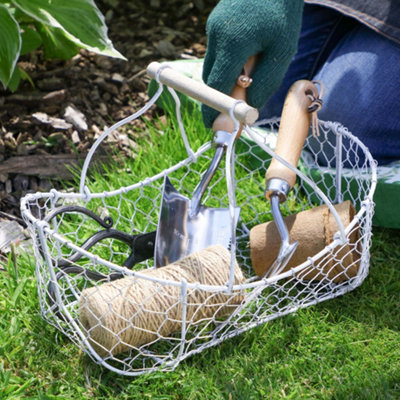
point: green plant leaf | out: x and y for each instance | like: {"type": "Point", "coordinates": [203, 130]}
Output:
{"type": "Point", "coordinates": [13, 83]}
{"type": "Point", "coordinates": [55, 43]}
{"type": "Point", "coordinates": [81, 21]}
{"type": "Point", "coordinates": [31, 40]}
{"type": "Point", "coordinates": [10, 44]}
{"type": "Point", "coordinates": [25, 76]}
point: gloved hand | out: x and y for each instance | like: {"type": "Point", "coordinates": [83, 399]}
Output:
{"type": "Point", "coordinates": [238, 29]}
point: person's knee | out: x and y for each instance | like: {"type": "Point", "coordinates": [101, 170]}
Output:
{"type": "Point", "coordinates": [360, 93]}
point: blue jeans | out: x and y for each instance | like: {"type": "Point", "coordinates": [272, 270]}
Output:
{"type": "Point", "coordinates": [360, 70]}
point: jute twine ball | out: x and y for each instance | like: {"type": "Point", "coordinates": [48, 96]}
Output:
{"type": "Point", "coordinates": [130, 312]}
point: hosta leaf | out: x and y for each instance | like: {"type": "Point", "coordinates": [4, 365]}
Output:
{"type": "Point", "coordinates": [10, 44]}
{"type": "Point", "coordinates": [55, 43]}
{"type": "Point", "coordinates": [25, 76]}
{"type": "Point", "coordinates": [81, 21]}
{"type": "Point", "coordinates": [13, 83]}
{"type": "Point", "coordinates": [31, 40]}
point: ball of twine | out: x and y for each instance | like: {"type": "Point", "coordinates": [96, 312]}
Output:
{"type": "Point", "coordinates": [130, 312]}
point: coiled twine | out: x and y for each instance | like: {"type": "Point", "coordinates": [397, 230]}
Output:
{"type": "Point", "coordinates": [127, 313]}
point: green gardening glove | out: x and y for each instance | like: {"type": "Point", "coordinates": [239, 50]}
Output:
{"type": "Point", "coordinates": [238, 29]}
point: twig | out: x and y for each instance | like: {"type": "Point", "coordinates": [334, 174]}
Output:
{"type": "Point", "coordinates": [140, 73]}
{"type": "Point", "coordinates": [12, 218]}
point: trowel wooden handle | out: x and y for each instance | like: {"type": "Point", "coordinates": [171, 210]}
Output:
{"type": "Point", "coordinates": [224, 122]}
{"type": "Point", "coordinates": [200, 91]}
{"type": "Point", "coordinates": [293, 129]}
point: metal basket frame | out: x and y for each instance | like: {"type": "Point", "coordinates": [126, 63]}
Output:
{"type": "Point", "coordinates": [257, 307]}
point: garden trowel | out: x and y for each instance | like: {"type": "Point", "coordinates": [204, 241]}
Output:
{"type": "Point", "coordinates": [185, 225]}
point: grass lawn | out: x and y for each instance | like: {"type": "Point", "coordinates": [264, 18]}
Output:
{"type": "Point", "coordinates": [345, 348]}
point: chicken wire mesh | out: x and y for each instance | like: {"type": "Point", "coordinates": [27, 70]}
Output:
{"type": "Point", "coordinates": [94, 251]}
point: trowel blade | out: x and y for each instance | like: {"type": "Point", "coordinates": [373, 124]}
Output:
{"type": "Point", "coordinates": [179, 233]}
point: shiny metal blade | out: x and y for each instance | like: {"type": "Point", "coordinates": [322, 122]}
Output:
{"type": "Point", "coordinates": [180, 232]}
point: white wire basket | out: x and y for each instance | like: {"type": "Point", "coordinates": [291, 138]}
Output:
{"type": "Point", "coordinates": [136, 319]}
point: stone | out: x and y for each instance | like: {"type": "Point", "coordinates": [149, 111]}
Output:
{"type": "Point", "coordinates": [76, 118]}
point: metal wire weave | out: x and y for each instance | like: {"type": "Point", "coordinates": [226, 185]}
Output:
{"type": "Point", "coordinates": [334, 166]}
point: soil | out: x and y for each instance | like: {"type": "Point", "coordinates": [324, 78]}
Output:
{"type": "Point", "coordinates": [72, 101]}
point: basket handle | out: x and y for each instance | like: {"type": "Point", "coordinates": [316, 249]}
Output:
{"type": "Point", "coordinates": [164, 74]}
{"type": "Point", "coordinates": [203, 93]}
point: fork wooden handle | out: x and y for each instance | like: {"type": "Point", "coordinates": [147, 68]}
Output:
{"type": "Point", "coordinates": [293, 129]}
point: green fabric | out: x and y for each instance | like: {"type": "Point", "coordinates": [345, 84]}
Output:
{"type": "Point", "coordinates": [238, 29]}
